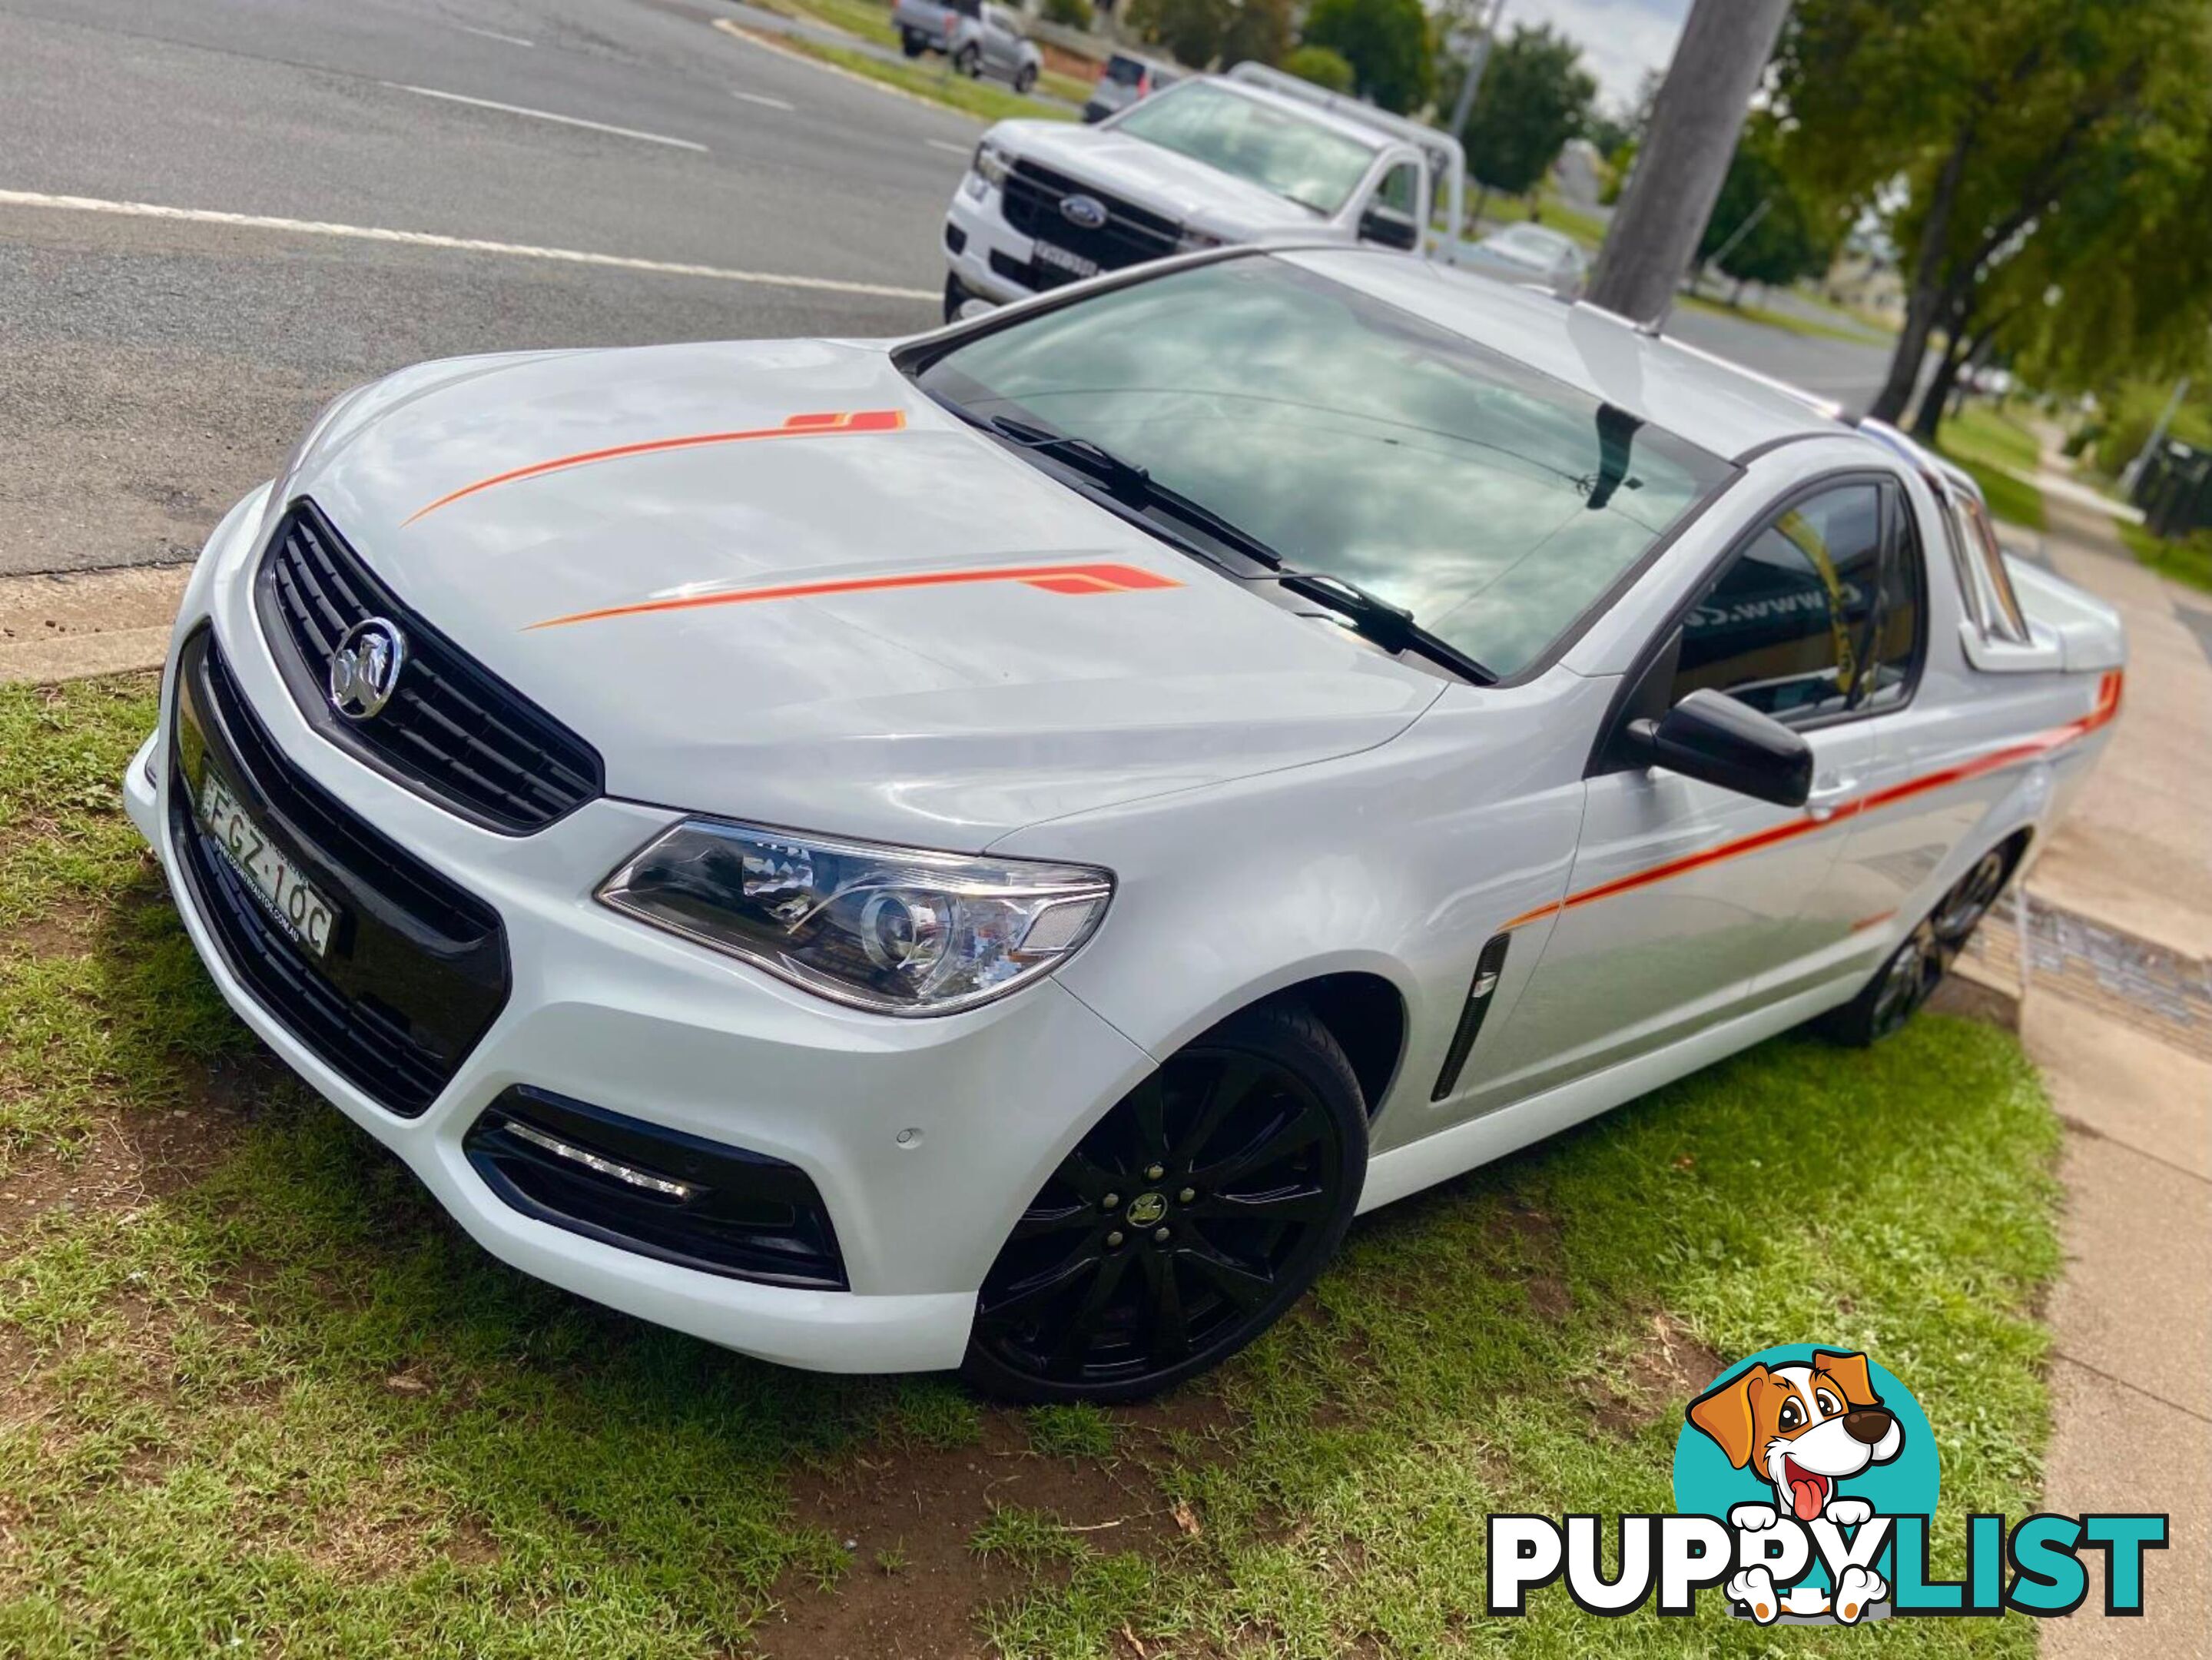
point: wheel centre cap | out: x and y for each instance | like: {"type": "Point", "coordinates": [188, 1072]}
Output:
{"type": "Point", "coordinates": [1148, 1208]}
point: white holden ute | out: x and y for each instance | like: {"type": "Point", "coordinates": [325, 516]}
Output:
{"type": "Point", "coordinates": [1211, 161]}
{"type": "Point", "coordinates": [987, 851]}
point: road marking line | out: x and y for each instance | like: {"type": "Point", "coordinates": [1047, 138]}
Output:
{"type": "Point", "coordinates": [493, 34]}
{"type": "Point", "coordinates": [961, 150]}
{"type": "Point", "coordinates": [754, 38]}
{"type": "Point", "coordinates": [18, 198]}
{"type": "Point", "coordinates": [765, 102]}
{"type": "Point", "coordinates": [547, 115]}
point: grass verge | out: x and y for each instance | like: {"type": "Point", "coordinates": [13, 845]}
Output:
{"type": "Point", "coordinates": [259, 1394]}
{"type": "Point", "coordinates": [2188, 560]}
{"type": "Point", "coordinates": [1993, 447]}
{"type": "Point", "coordinates": [929, 78]}
{"type": "Point", "coordinates": [1788, 322]}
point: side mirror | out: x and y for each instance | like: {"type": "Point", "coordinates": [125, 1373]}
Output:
{"type": "Point", "coordinates": [1390, 227]}
{"type": "Point", "coordinates": [1710, 736]}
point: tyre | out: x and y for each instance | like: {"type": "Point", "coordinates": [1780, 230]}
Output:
{"type": "Point", "coordinates": [969, 62]}
{"type": "Point", "coordinates": [1924, 957]}
{"type": "Point", "coordinates": [1184, 1224]}
{"type": "Point", "coordinates": [912, 44]}
{"type": "Point", "coordinates": [957, 294]}
{"type": "Point", "coordinates": [1025, 78]}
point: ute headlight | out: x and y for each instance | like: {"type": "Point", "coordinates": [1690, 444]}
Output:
{"type": "Point", "coordinates": [992, 164]}
{"type": "Point", "coordinates": [896, 930]}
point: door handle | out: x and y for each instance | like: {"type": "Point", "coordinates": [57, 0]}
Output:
{"type": "Point", "coordinates": [1830, 790]}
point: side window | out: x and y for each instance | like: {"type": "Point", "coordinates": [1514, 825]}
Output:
{"type": "Point", "coordinates": [1785, 626]}
{"type": "Point", "coordinates": [1897, 623]}
{"type": "Point", "coordinates": [1400, 190]}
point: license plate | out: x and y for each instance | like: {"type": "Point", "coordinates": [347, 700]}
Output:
{"type": "Point", "coordinates": [1060, 259]}
{"type": "Point", "coordinates": [283, 893]}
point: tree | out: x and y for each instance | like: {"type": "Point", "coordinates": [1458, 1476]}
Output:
{"type": "Point", "coordinates": [1535, 96]}
{"type": "Point", "coordinates": [1321, 66]}
{"type": "Point", "coordinates": [1191, 30]}
{"type": "Point", "coordinates": [1385, 41]}
{"type": "Point", "coordinates": [1763, 228]}
{"type": "Point", "coordinates": [1258, 31]}
{"type": "Point", "coordinates": [2052, 156]}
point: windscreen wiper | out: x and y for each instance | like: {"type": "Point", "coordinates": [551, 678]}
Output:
{"type": "Point", "coordinates": [1391, 627]}
{"type": "Point", "coordinates": [1133, 483]}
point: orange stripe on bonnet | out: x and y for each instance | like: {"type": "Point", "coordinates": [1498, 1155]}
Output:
{"type": "Point", "coordinates": [822, 425]}
{"type": "Point", "coordinates": [1052, 579]}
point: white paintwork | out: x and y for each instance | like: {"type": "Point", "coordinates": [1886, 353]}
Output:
{"type": "Point", "coordinates": [1203, 199]}
{"type": "Point", "coordinates": [1278, 800]}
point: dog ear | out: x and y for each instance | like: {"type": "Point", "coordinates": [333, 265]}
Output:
{"type": "Point", "coordinates": [1723, 1412]}
{"type": "Point", "coordinates": [1849, 1370]}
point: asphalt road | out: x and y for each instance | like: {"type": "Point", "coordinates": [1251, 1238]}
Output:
{"type": "Point", "coordinates": [153, 368]}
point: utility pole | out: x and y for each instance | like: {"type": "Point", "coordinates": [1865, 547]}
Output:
{"type": "Point", "coordinates": [1478, 56]}
{"type": "Point", "coordinates": [1695, 122]}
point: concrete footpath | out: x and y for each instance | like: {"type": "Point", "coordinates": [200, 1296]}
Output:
{"type": "Point", "coordinates": [2119, 1016]}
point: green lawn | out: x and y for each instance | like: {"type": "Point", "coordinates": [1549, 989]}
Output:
{"type": "Point", "coordinates": [1986, 443]}
{"type": "Point", "coordinates": [2188, 561]}
{"type": "Point", "coordinates": [261, 1396]}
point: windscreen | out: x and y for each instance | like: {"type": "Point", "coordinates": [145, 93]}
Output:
{"type": "Point", "coordinates": [1300, 160]}
{"type": "Point", "coordinates": [1495, 503]}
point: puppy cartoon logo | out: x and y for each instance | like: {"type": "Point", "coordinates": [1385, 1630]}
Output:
{"type": "Point", "coordinates": [1801, 1429]}
{"type": "Point", "coordinates": [1805, 1485]}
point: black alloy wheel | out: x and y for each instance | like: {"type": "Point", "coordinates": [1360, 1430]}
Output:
{"type": "Point", "coordinates": [1970, 897]}
{"type": "Point", "coordinates": [1909, 976]}
{"type": "Point", "coordinates": [1184, 1223]}
{"type": "Point", "coordinates": [1909, 979]}
{"type": "Point", "coordinates": [969, 62]}
{"type": "Point", "coordinates": [1025, 78]}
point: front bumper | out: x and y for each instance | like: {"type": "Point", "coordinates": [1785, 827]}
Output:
{"type": "Point", "coordinates": [924, 1139]}
{"type": "Point", "coordinates": [977, 229]}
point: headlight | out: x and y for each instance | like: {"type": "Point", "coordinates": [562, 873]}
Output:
{"type": "Point", "coordinates": [897, 930]}
{"type": "Point", "coordinates": [991, 163]}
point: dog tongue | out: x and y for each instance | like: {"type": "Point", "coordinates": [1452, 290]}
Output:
{"type": "Point", "coordinates": [1805, 1499]}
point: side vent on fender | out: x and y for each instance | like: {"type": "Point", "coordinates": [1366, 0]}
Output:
{"type": "Point", "coordinates": [1486, 970]}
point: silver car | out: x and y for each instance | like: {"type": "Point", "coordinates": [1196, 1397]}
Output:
{"type": "Point", "coordinates": [1530, 254]}
{"type": "Point", "coordinates": [979, 37]}
{"type": "Point", "coordinates": [1126, 79]}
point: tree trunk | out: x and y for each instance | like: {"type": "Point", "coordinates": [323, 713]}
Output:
{"type": "Point", "coordinates": [1924, 297]}
{"type": "Point", "coordinates": [1929, 416]}
{"type": "Point", "coordinates": [1695, 120]}
{"type": "Point", "coordinates": [1481, 203]}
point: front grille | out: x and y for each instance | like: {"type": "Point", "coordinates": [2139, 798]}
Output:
{"type": "Point", "coordinates": [415, 968]}
{"type": "Point", "coordinates": [683, 1199]}
{"type": "Point", "coordinates": [452, 731]}
{"type": "Point", "coordinates": [1130, 235]}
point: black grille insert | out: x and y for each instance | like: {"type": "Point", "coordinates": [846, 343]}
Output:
{"type": "Point", "coordinates": [415, 969]}
{"type": "Point", "coordinates": [1130, 236]}
{"type": "Point", "coordinates": [452, 731]}
{"type": "Point", "coordinates": [645, 1188]}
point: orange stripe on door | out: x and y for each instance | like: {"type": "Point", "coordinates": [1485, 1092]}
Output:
{"type": "Point", "coordinates": [1052, 579]}
{"type": "Point", "coordinates": [2107, 707]}
{"type": "Point", "coordinates": [798, 426]}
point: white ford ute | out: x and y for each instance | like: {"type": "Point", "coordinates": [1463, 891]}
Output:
{"type": "Point", "coordinates": [989, 850]}
{"type": "Point", "coordinates": [1251, 156]}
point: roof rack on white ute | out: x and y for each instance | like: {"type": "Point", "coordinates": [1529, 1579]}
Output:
{"type": "Point", "coordinates": [1446, 159]}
